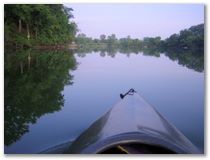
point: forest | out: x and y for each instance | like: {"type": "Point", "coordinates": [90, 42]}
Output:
{"type": "Point", "coordinates": [191, 39]}
{"type": "Point", "coordinates": [27, 25]}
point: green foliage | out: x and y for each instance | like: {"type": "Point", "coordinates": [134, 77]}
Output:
{"type": "Point", "coordinates": [130, 44]}
{"type": "Point", "coordinates": [152, 42]}
{"type": "Point", "coordinates": [112, 40]}
{"type": "Point", "coordinates": [191, 39]}
{"type": "Point", "coordinates": [39, 24]}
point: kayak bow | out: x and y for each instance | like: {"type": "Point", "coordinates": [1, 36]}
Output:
{"type": "Point", "coordinates": [132, 126]}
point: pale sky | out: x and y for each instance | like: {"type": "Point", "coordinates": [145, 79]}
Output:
{"type": "Point", "coordinates": [137, 20]}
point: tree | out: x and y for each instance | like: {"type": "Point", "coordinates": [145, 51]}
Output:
{"type": "Point", "coordinates": [103, 38]}
{"type": "Point", "coordinates": [112, 40]}
{"type": "Point", "coordinates": [189, 39]}
{"type": "Point", "coordinates": [29, 24]}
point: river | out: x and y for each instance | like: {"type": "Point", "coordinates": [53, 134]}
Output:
{"type": "Point", "coordinates": [53, 96]}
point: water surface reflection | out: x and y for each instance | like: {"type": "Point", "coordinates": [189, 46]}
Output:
{"type": "Point", "coordinates": [33, 85]}
{"type": "Point", "coordinates": [53, 96]}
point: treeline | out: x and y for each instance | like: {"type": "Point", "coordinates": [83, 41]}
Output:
{"type": "Point", "coordinates": [191, 39]}
{"type": "Point", "coordinates": [37, 24]}
{"type": "Point", "coordinates": [187, 47]}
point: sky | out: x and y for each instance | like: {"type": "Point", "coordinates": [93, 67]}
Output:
{"type": "Point", "coordinates": [135, 19]}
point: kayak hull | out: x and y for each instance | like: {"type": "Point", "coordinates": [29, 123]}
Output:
{"type": "Point", "coordinates": [132, 121]}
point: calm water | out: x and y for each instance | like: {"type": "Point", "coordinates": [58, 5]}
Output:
{"type": "Point", "coordinates": [51, 97]}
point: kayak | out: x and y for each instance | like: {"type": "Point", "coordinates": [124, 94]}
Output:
{"type": "Point", "coordinates": [132, 126]}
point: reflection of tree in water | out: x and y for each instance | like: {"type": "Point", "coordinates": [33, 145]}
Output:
{"type": "Point", "coordinates": [192, 59]}
{"type": "Point", "coordinates": [33, 85]}
{"type": "Point", "coordinates": [102, 54]}
{"type": "Point", "coordinates": [151, 52]}
{"type": "Point", "coordinates": [111, 51]}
